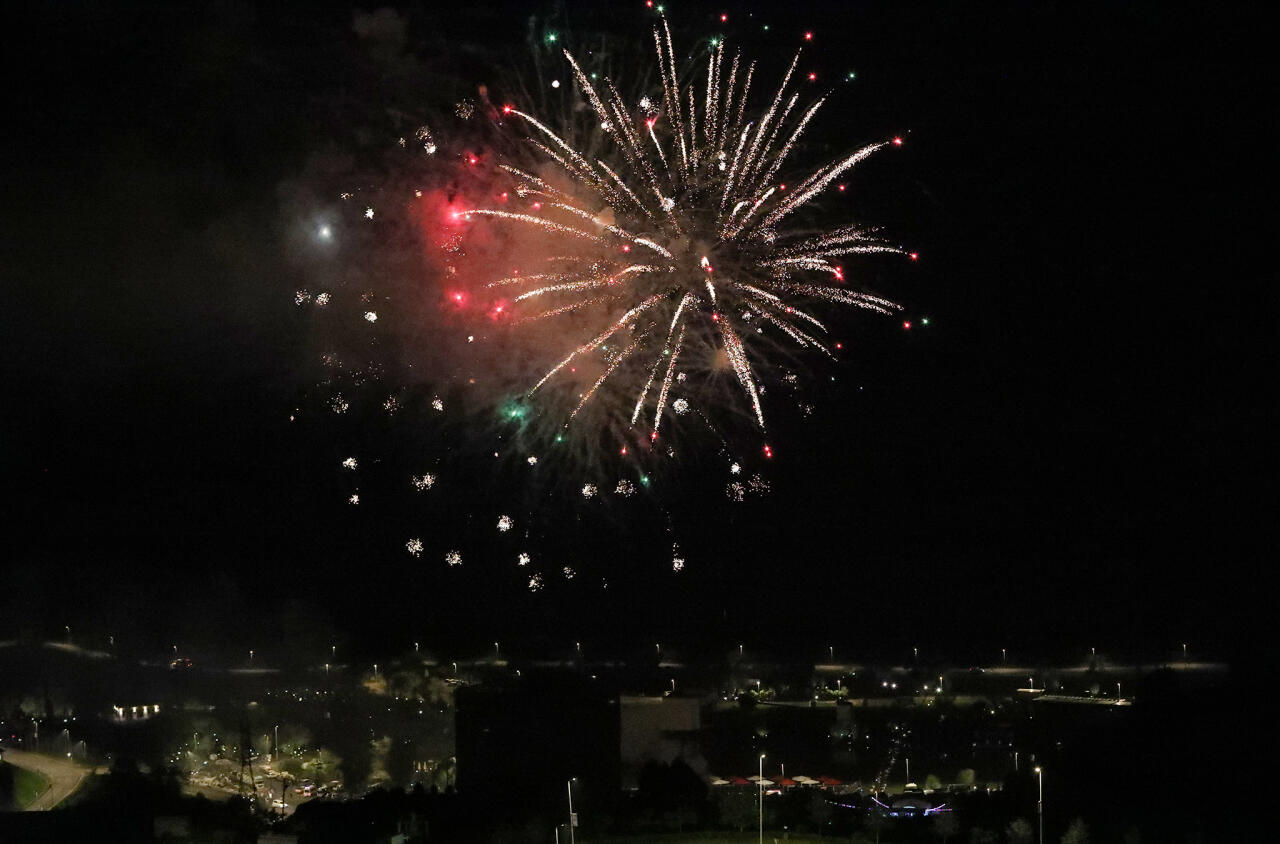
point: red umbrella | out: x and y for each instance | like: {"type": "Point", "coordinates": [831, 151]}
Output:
{"type": "Point", "coordinates": [786, 782]}
{"type": "Point", "coordinates": [740, 781]}
{"type": "Point", "coordinates": [829, 781]}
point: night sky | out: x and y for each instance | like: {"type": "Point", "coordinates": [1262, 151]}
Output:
{"type": "Point", "coordinates": [1073, 453]}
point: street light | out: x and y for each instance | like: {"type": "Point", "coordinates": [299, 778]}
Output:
{"type": "Point", "coordinates": [573, 820]}
{"type": "Point", "coordinates": [277, 742]}
{"type": "Point", "coordinates": [760, 784]}
{"type": "Point", "coordinates": [1040, 803]}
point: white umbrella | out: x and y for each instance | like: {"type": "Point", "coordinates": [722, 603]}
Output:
{"type": "Point", "coordinates": [718, 781]}
{"type": "Point", "coordinates": [803, 780]}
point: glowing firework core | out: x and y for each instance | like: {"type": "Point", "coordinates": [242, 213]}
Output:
{"type": "Point", "coordinates": [689, 246]}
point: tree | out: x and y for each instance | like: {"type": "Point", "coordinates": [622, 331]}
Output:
{"type": "Point", "coordinates": [321, 764]}
{"type": "Point", "coordinates": [820, 811]}
{"type": "Point", "coordinates": [966, 777]}
{"type": "Point", "coordinates": [876, 824]}
{"type": "Point", "coordinates": [737, 807]}
{"type": "Point", "coordinates": [932, 783]}
{"type": "Point", "coordinates": [978, 835]}
{"type": "Point", "coordinates": [1018, 831]}
{"type": "Point", "coordinates": [400, 758]}
{"type": "Point", "coordinates": [945, 825]}
{"type": "Point", "coordinates": [1077, 833]}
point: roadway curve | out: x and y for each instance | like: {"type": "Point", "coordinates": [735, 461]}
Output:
{"type": "Point", "coordinates": [64, 776]}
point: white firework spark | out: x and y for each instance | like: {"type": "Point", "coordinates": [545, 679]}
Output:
{"type": "Point", "coordinates": [453, 558]}
{"type": "Point", "coordinates": [523, 559]}
{"type": "Point", "coordinates": [693, 196]}
{"type": "Point", "coordinates": [349, 463]}
{"type": "Point", "coordinates": [414, 547]}
{"type": "Point", "coordinates": [423, 482]}
{"type": "Point", "coordinates": [505, 523]}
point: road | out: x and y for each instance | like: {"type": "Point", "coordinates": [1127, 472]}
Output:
{"type": "Point", "coordinates": [64, 776]}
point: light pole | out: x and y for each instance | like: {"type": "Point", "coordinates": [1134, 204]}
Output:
{"type": "Point", "coordinates": [908, 758]}
{"type": "Point", "coordinates": [277, 743]}
{"type": "Point", "coordinates": [573, 820]}
{"type": "Point", "coordinates": [760, 785]}
{"type": "Point", "coordinates": [1040, 803]}
{"type": "Point", "coordinates": [1117, 690]}
{"type": "Point", "coordinates": [497, 652]}
{"type": "Point", "coordinates": [1004, 655]}
{"type": "Point", "coordinates": [831, 652]}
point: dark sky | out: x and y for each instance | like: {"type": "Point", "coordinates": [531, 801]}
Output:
{"type": "Point", "coordinates": [1075, 450]}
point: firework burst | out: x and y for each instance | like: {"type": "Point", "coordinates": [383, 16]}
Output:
{"type": "Point", "coordinates": [678, 250]}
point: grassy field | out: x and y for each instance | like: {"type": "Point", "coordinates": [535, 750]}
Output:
{"type": "Point", "coordinates": [24, 785]}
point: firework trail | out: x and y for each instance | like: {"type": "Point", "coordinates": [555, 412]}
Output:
{"type": "Point", "coordinates": [680, 244]}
